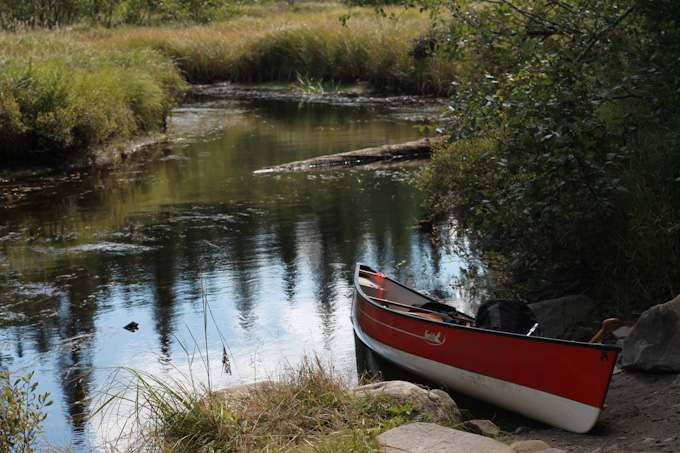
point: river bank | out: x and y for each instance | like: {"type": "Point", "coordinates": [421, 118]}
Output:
{"type": "Point", "coordinates": [137, 74]}
{"type": "Point", "coordinates": [641, 414]}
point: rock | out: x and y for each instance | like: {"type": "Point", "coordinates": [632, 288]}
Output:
{"type": "Point", "coordinates": [654, 341]}
{"type": "Point", "coordinates": [432, 438]}
{"type": "Point", "coordinates": [483, 427]}
{"type": "Point", "coordinates": [552, 450]}
{"type": "Point", "coordinates": [622, 332]}
{"type": "Point", "coordinates": [435, 402]}
{"type": "Point", "coordinates": [649, 441]}
{"type": "Point", "coordinates": [230, 395]}
{"type": "Point", "coordinates": [557, 317]}
{"type": "Point", "coordinates": [529, 446]}
{"type": "Point", "coordinates": [676, 383]}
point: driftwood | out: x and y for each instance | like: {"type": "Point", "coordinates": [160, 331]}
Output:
{"type": "Point", "coordinates": [410, 150]}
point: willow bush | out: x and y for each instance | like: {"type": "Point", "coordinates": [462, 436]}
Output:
{"type": "Point", "coordinates": [21, 413]}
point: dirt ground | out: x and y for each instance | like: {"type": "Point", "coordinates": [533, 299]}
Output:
{"type": "Point", "coordinates": [641, 414]}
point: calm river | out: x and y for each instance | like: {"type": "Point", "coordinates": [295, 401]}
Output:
{"type": "Point", "coordinates": [272, 254]}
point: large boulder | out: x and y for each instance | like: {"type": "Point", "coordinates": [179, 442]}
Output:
{"type": "Point", "coordinates": [654, 342]}
{"type": "Point", "coordinates": [557, 318]}
{"type": "Point", "coordinates": [432, 438]}
{"type": "Point", "coordinates": [435, 402]}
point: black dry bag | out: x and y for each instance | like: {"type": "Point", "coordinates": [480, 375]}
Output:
{"type": "Point", "coordinates": [506, 315]}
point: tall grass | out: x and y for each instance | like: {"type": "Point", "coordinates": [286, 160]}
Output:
{"type": "Point", "coordinates": [60, 96]}
{"type": "Point", "coordinates": [308, 409]}
{"type": "Point", "coordinates": [65, 93]}
{"type": "Point", "coordinates": [309, 40]}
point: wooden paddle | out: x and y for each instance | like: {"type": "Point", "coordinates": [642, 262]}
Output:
{"type": "Point", "coordinates": [607, 326]}
{"type": "Point", "coordinates": [439, 314]}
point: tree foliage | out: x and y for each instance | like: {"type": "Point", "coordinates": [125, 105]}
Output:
{"type": "Point", "coordinates": [34, 13]}
{"type": "Point", "coordinates": [545, 133]}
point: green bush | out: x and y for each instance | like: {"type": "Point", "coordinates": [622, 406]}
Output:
{"type": "Point", "coordinates": [574, 186]}
{"type": "Point", "coordinates": [21, 413]}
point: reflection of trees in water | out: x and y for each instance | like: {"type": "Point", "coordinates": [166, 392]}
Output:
{"type": "Point", "coordinates": [332, 226]}
{"type": "Point", "coordinates": [76, 331]}
{"type": "Point", "coordinates": [336, 225]}
{"type": "Point", "coordinates": [286, 244]}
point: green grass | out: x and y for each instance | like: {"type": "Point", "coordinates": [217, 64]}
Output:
{"type": "Point", "coordinates": [67, 93]}
{"type": "Point", "coordinates": [62, 97]}
{"type": "Point", "coordinates": [308, 409]}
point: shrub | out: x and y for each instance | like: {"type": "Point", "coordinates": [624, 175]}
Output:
{"type": "Point", "coordinates": [21, 413]}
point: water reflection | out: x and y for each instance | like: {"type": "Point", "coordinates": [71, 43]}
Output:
{"type": "Point", "coordinates": [273, 254]}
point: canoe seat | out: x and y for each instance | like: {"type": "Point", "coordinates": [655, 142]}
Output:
{"type": "Point", "coordinates": [371, 288]}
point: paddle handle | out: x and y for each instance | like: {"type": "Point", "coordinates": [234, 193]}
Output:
{"type": "Point", "coordinates": [607, 326]}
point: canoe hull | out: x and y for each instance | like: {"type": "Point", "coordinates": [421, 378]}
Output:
{"type": "Point", "coordinates": [561, 383]}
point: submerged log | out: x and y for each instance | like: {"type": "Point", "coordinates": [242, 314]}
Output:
{"type": "Point", "coordinates": [409, 150]}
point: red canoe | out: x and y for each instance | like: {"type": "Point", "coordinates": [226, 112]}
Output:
{"type": "Point", "coordinates": [558, 382]}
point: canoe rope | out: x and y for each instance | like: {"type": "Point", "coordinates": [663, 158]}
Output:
{"type": "Point", "coordinates": [378, 276]}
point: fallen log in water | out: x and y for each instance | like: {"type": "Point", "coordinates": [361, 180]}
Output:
{"type": "Point", "coordinates": [408, 150]}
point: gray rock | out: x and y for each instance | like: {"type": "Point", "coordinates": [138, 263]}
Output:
{"type": "Point", "coordinates": [435, 402]}
{"type": "Point", "coordinates": [529, 446]}
{"type": "Point", "coordinates": [557, 317]}
{"type": "Point", "coordinates": [236, 397]}
{"type": "Point", "coordinates": [483, 427]}
{"type": "Point", "coordinates": [432, 438]}
{"type": "Point", "coordinates": [654, 342]}
{"type": "Point", "coordinates": [622, 332]}
{"type": "Point", "coordinates": [676, 383]}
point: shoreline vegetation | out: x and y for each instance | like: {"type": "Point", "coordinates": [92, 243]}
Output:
{"type": "Point", "coordinates": [310, 407]}
{"type": "Point", "coordinates": [69, 93]}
